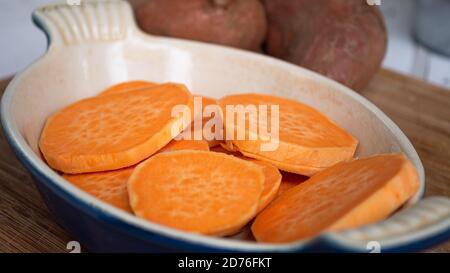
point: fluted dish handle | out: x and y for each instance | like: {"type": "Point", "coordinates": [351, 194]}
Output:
{"type": "Point", "coordinates": [80, 21]}
{"type": "Point", "coordinates": [415, 228]}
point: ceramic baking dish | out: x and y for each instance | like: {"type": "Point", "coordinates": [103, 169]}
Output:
{"type": "Point", "coordinates": [97, 44]}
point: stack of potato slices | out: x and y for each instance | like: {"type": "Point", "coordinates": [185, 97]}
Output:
{"type": "Point", "coordinates": [124, 147]}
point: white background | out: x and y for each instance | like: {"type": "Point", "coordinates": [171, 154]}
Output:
{"type": "Point", "coordinates": [21, 42]}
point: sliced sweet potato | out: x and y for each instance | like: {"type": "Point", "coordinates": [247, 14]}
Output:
{"type": "Point", "coordinates": [206, 101]}
{"type": "Point", "coordinates": [201, 192]}
{"type": "Point", "coordinates": [286, 166]}
{"type": "Point", "coordinates": [204, 126]}
{"type": "Point", "coordinates": [272, 180]}
{"type": "Point", "coordinates": [176, 145]}
{"type": "Point", "coordinates": [308, 140]}
{"type": "Point", "coordinates": [127, 86]}
{"type": "Point", "coordinates": [115, 131]}
{"type": "Point", "coordinates": [347, 195]}
{"type": "Point", "coordinates": [272, 175]}
{"type": "Point", "coordinates": [173, 145]}
{"type": "Point", "coordinates": [109, 186]}
{"type": "Point", "coordinates": [208, 134]}
{"type": "Point", "coordinates": [290, 180]}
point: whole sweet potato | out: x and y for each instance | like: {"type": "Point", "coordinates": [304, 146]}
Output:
{"type": "Point", "coordinates": [342, 39]}
{"type": "Point", "coordinates": [236, 23]}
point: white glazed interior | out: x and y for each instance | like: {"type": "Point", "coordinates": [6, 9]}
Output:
{"type": "Point", "coordinates": [76, 69]}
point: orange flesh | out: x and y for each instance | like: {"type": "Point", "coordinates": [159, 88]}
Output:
{"type": "Point", "coordinates": [201, 192]}
{"type": "Point", "coordinates": [111, 132]}
{"type": "Point", "coordinates": [98, 141]}
{"type": "Point", "coordinates": [127, 86]}
{"type": "Point", "coordinates": [206, 101]}
{"type": "Point", "coordinates": [176, 145]}
{"type": "Point", "coordinates": [109, 186]}
{"type": "Point", "coordinates": [272, 180]}
{"type": "Point", "coordinates": [347, 195]}
{"type": "Point", "coordinates": [308, 140]}
{"type": "Point", "coordinates": [287, 167]}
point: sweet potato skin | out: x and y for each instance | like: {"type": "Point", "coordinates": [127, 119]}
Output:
{"type": "Point", "coordinates": [342, 39]}
{"type": "Point", "coordinates": [235, 23]}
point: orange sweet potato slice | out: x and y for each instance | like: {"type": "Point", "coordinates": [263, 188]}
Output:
{"type": "Point", "coordinates": [207, 101]}
{"type": "Point", "coordinates": [286, 166]}
{"type": "Point", "coordinates": [272, 180]}
{"type": "Point", "coordinates": [127, 86]}
{"type": "Point", "coordinates": [112, 132]}
{"type": "Point", "coordinates": [202, 192]}
{"type": "Point", "coordinates": [347, 195]}
{"type": "Point", "coordinates": [308, 140]}
{"type": "Point", "coordinates": [272, 177]}
{"type": "Point", "coordinates": [196, 130]}
{"type": "Point", "coordinates": [109, 186]}
{"type": "Point", "coordinates": [176, 145]}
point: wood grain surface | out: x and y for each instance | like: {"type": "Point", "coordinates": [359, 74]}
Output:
{"type": "Point", "coordinates": [421, 110]}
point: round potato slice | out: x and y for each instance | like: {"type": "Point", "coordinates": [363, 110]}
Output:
{"type": "Point", "coordinates": [115, 131]}
{"type": "Point", "coordinates": [307, 143]}
{"type": "Point", "coordinates": [176, 145]}
{"type": "Point", "coordinates": [347, 195]}
{"type": "Point", "coordinates": [202, 192]}
{"type": "Point", "coordinates": [208, 136]}
{"type": "Point", "coordinates": [272, 180]}
{"type": "Point", "coordinates": [109, 186]}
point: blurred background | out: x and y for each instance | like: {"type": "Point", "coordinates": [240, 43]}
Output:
{"type": "Point", "coordinates": [21, 42]}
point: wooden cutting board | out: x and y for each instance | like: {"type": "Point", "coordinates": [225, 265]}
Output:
{"type": "Point", "coordinates": [421, 110]}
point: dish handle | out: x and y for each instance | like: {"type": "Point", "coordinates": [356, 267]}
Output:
{"type": "Point", "coordinates": [79, 21]}
{"type": "Point", "coordinates": [418, 227]}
